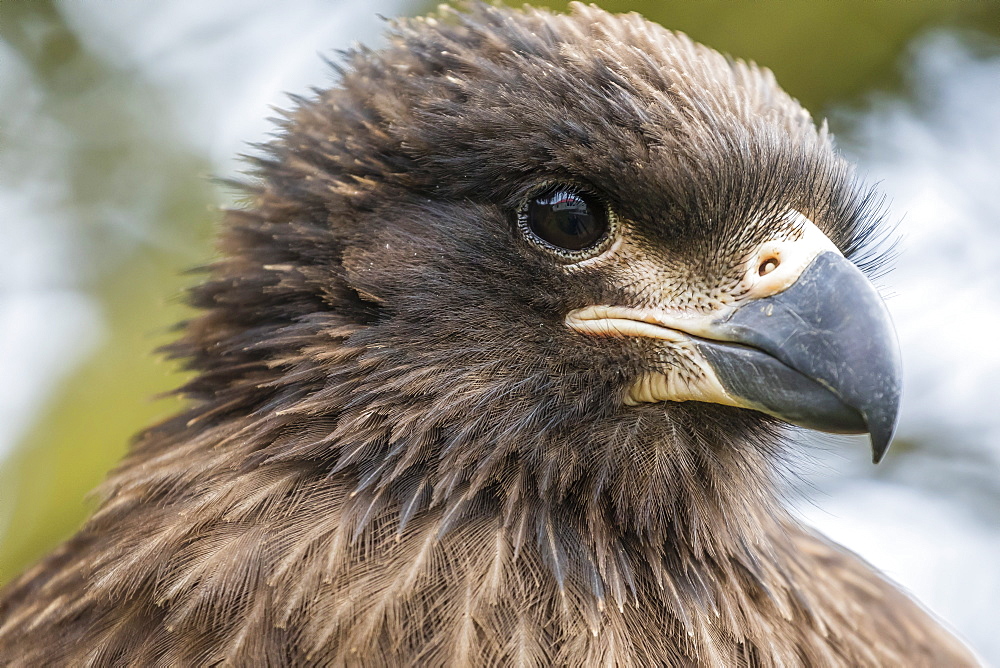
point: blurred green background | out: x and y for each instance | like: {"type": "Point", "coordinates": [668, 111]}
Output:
{"type": "Point", "coordinates": [135, 206]}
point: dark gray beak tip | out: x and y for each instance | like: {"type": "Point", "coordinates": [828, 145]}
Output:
{"type": "Point", "coordinates": [882, 424]}
{"type": "Point", "coordinates": [880, 445]}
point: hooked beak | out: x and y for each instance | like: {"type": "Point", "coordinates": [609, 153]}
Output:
{"type": "Point", "coordinates": [820, 352]}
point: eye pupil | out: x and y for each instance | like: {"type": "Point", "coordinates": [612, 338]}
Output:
{"type": "Point", "coordinates": [566, 219]}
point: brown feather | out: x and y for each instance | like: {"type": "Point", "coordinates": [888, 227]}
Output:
{"type": "Point", "coordinates": [395, 451]}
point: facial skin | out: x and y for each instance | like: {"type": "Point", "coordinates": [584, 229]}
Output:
{"type": "Point", "coordinates": [808, 340]}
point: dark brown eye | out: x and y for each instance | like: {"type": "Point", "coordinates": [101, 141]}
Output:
{"type": "Point", "coordinates": [566, 220]}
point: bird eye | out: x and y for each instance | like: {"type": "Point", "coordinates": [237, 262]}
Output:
{"type": "Point", "coordinates": [569, 222]}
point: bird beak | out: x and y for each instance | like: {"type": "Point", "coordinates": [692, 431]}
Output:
{"type": "Point", "coordinates": [821, 354]}
{"type": "Point", "coordinates": [819, 351]}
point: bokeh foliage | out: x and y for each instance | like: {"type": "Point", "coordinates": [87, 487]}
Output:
{"type": "Point", "coordinates": [125, 157]}
{"type": "Point", "coordinates": [138, 201]}
{"type": "Point", "coordinates": [821, 52]}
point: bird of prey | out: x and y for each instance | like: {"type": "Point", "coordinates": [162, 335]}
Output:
{"type": "Point", "coordinates": [495, 369]}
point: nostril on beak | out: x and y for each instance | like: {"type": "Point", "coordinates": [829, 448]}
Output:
{"type": "Point", "coordinates": [767, 265]}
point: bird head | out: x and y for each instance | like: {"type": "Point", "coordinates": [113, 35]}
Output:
{"type": "Point", "coordinates": [548, 256]}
